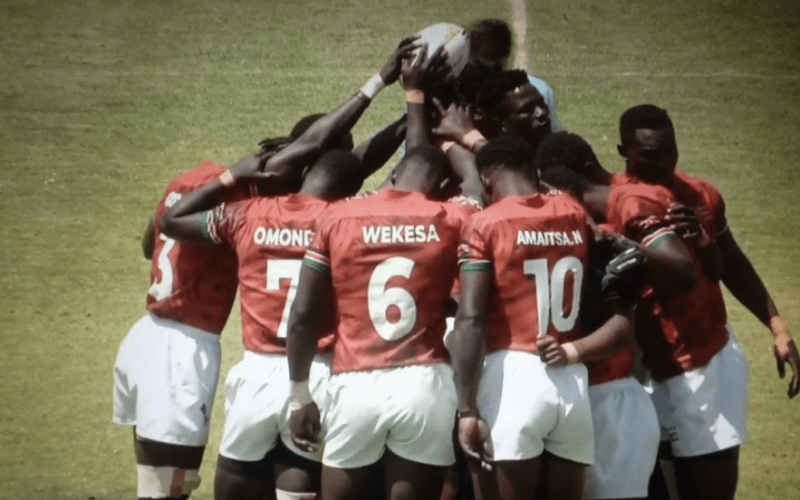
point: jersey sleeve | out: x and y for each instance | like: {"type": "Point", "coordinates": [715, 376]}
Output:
{"type": "Point", "coordinates": [474, 253]}
{"type": "Point", "coordinates": [221, 223]}
{"type": "Point", "coordinates": [641, 218]}
{"type": "Point", "coordinates": [717, 205]}
{"type": "Point", "coordinates": [318, 256]}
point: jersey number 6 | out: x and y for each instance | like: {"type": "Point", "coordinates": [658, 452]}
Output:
{"type": "Point", "coordinates": [380, 298]}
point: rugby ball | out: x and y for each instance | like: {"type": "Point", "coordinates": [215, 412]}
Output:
{"type": "Point", "coordinates": [455, 41]}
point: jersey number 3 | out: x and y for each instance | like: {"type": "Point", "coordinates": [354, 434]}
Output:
{"type": "Point", "coordinates": [160, 289]}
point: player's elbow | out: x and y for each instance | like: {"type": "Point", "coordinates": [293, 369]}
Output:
{"type": "Point", "coordinates": [168, 223]}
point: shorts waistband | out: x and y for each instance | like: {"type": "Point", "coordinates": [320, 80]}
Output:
{"type": "Point", "coordinates": [612, 386]}
{"type": "Point", "coordinates": [324, 357]}
{"type": "Point", "coordinates": [188, 330]}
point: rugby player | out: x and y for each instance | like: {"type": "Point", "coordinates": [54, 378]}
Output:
{"type": "Point", "coordinates": [698, 368]}
{"type": "Point", "coordinates": [490, 46]}
{"type": "Point", "coordinates": [506, 105]}
{"type": "Point", "coordinates": [390, 259]}
{"type": "Point", "coordinates": [526, 420]}
{"type": "Point", "coordinates": [269, 236]}
{"type": "Point", "coordinates": [166, 371]}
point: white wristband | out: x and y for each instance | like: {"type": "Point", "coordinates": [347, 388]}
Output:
{"type": "Point", "coordinates": [299, 395]}
{"type": "Point", "coordinates": [373, 86]}
{"type": "Point", "coordinates": [571, 351]}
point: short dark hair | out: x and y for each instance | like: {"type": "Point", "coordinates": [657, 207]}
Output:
{"type": "Point", "coordinates": [509, 152]}
{"type": "Point", "coordinates": [343, 167]}
{"type": "Point", "coordinates": [490, 38]}
{"type": "Point", "coordinates": [303, 124]}
{"type": "Point", "coordinates": [564, 148]}
{"type": "Point", "coordinates": [430, 155]}
{"type": "Point", "coordinates": [496, 85]}
{"type": "Point", "coordinates": [276, 143]}
{"type": "Point", "coordinates": [563, 177]}
{"type": "Point", "coordinates": [644, 116]}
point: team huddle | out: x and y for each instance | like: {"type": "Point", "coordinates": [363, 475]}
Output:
{"type": "Point", "coordinates": [503, 319]}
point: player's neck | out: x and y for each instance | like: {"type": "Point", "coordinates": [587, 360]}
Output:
{"type": "Point", "coordinates": [595, 199]}
{"type": "Point", "coordinates": [508, 183]}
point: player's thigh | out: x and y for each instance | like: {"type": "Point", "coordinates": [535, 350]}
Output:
{"type": "Point", "coordinates": [561, 479]}
{"type": "Point", "coordinates": [713, 476]}
{"type": "Point", "coordinates": [238, 480]}
{"type": "Point", "coordinates": [159, 454]}
{"type": "Point", "coordinates": [355, 483]}
{"type": "Point", "coordinates": [704, 410]}
{"type": "Point", "coordinates": [626, 441]}
{"type": "Point", "coordinates": [508, 480]}
{"type": "Point", "coordinates": [572, 438]}
{"type": "Point", "coordinates": [421, 413]}
{"type": "Point", "coordinates": [519, 402]}
{"type": "Point", "coordinates": [409, 480]}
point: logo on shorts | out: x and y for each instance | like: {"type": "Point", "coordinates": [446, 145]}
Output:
{"type": "Point", "coordinates": [206, 416]}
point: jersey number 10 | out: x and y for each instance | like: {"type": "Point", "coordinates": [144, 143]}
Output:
{"type": "Point", "coordinates": [550, 292]}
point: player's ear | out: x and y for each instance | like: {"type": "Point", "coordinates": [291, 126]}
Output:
{"type": "Point", "coordinates": [393, 176]}
{"type": "Point", "coordinates": [306, 169]}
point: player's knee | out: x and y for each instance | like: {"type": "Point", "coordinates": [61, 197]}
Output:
{"type": "Point", "coordinates": [166, 482]}
{"type": "Point", "coordinates": [291, 495]}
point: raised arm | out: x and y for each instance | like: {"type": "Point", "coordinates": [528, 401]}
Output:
{"type": "Point", "coordinates": [744, 283]}
{"type": "Point", "coordinates": [329, 130]}
{"type": "Point", "coordinates": [185, 220]}
{"type": "Point", "coordinates": [378, 149]}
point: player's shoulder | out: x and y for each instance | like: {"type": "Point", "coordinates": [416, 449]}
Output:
{"type": "Point", "coordinates": [639, 191]}
{"type": "Point", "coordinates": [699, 184]}
{"type": "Point", "coordinates": [196, 177]}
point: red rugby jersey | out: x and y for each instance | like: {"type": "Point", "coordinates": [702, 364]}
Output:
{"type": "Point", "coordinates": [193, 284]}
{"type": "Point", "coordinates": [392, 257]}
{"type": "Point", "coordinates": [676, 333]}
{"type": "Point", "coordinates": [537, 249]}
{"type": "Point", "coordinates": [270, 237]}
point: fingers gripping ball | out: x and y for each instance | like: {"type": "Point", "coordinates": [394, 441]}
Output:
{"type": "Point", "coordinates": [624, 276]}
{"type": "Point", "coordinates": [455, 41]}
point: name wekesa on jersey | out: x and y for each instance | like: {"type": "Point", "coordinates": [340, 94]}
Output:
{"type": "Point", "coordinates": [411, 233]}
{"type": "Point", "coordinates": [548, 238]}
{"type": "Point", "coordinates": [282, 237]}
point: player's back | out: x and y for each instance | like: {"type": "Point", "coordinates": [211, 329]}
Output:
{"type": "Point", "coordinates": [538, 249]}
{"type": "Point", "coordinates": [393, 259]}
{"type": "Point", "coordinates": [193, 284]}
{"type": "Point", "coordinates": [270, 237]}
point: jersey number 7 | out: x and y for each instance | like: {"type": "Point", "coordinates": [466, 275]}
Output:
{"type": "Point", "coordinates": [278, 269]}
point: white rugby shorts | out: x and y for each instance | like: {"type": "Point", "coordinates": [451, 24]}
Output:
{"type": "Point", "coordinates": [165, 378]}
{"type": "Point", "coordinates": [531, 408]}
{"type": "Point", "coordinates": [704, 410]}
{"type": "Point", "coordinates": [626, 436]}
{"type": "Point", "coordinates": [409, 410]}
{"type": "Point", "coordinates": [257, 405]}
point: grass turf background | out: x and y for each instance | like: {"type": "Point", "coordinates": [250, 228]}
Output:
{"type": "Point", "coordinates": [102, 102]}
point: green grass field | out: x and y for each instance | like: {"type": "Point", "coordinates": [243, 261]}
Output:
{"type": "Point", "coordinates": [101, 102]}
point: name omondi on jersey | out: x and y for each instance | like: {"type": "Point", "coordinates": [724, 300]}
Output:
{"type": "Point", "coordinates": [548, 238]}
{"type": "Point", "coordinates": [400, 234]}
{"type": "Point", "coordinates": [282, 237]}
